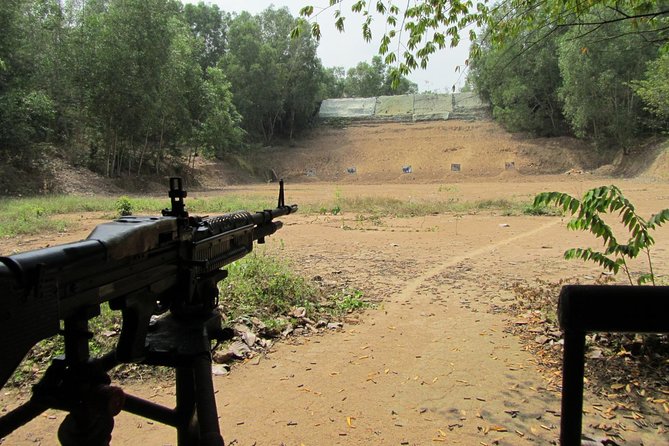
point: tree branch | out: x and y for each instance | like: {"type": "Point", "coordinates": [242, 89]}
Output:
{"type": "Point", "coordinates": [619, 19]}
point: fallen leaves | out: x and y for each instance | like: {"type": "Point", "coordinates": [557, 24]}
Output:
{"type": "Point", "coordinates": [495, 428]}
{"type": "Point", "coordinates": [441, 436]}
{"type": "Point", "coordinates": [625, 370]}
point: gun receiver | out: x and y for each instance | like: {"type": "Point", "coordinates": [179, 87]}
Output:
{"type": "Point", "coordinates": [142, 266]}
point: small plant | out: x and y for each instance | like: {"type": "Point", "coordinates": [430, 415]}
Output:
{"type": "Point", "coordinates": [336, 209]}
{"type": "Point", "coordinates": [124, 206]}
{"type": "Point", "coordinates": [542, 210]}
{"type": "Point", "coordinates": [588, 215]}
{"type": "Point", "coordinates": [446, 188]}
{"type": "Point", "coordinates": [349, 300]}
{"type": "Point", "coordinates": [375, 220]}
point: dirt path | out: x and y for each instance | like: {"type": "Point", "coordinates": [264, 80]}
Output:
{"type": "Point", "coordinates": [433, 362]}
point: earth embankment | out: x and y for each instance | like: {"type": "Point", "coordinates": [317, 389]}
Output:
{"type": "Point", "coordinates": [435, 151]}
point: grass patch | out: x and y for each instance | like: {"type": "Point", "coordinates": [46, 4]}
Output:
{"type": "Point", "coordinates": [266, 287]}
{"type": "Point", "coordinates": [348, 301]}
{"type": "Point", "coordinates": [393, 207]}
{"type": "Point", "coordinates": [39, 215]}
{"type": "Point", "coordinates": [27, 216]}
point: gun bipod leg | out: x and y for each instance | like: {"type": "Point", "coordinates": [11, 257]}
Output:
{"type": "Point", "coordinates": [20, 416]}
{"type": "Point", "coordinates": [196, 405]}
{"type": "Point", "coordinates": [207, 414]}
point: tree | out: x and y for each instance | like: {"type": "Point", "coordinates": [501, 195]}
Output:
{"type": "Point", "coordinates": [125, 58]}
{"type": "Point", "coordinates": [411, 35]}
{"type": "Point", "coordinates": [148, 98]}
{"type": "Point", "coordinates": [27, 55]}
{"type": "Point", "coordinates": [276, 81]}
{"type": "Point", "coordinates": [590, 214]}
{"type": "Point", "coordinates": [521, 85]}
{"type": "Point", "coordinates": [334, 82]}
{"type": "Point", "coordinates": [209, 26]}
{"type": "Point", "coordinates": [654, 88]}
{"type": "Point", "coordinates": [250, 65]}
{"type": "Point", "coordinates": [218, 131]}
{"type": "Point", "coordinates": [598, 65]}
{"type": "Point", "coordinates": [304, 88]}
{"type": "Point", "coordinates": [365, 80]}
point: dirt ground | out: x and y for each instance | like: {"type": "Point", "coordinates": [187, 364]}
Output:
{"type": "Point", "coordinates": [434, 360]}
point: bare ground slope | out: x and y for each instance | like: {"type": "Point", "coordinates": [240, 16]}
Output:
{"type": "Point", "coordinates": [378, 152]}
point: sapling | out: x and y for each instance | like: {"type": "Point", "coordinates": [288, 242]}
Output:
{"type": "Point", "coordinates": [588, 215]}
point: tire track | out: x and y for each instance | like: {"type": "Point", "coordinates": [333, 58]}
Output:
{"type": "Point", "coordinates": [412, 285]}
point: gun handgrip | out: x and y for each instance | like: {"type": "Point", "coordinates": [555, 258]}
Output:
{"type": "Point", "coordinates": [137, 311]}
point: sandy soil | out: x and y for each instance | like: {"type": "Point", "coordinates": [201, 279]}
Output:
{"type": "Point", "coordinates": [434, 151]}
{"type": "Point", "coordinates": [433, 361]}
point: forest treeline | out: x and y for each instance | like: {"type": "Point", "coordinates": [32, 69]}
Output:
{"type": "Point", "coordinates": [133, 87]}
{"type": "Point", "coordinates": [604, 77]}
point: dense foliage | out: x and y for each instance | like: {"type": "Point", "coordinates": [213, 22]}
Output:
{"type": "Point", "coordinates": [130, 87]}
{"type": "Point", "coordinates": [597, 70]}
{"type": "Point", "coordinates": [587, 80]}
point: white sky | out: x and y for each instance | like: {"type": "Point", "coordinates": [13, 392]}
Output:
{"type": "Point", "coordinates": [348, 49]}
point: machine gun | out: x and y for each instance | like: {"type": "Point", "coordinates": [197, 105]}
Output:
{"type": "Point", "coordinates": [162, 273]}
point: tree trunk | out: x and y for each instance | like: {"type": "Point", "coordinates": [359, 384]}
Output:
{"type": "Point", "coordinates": [142, 153]}
{"type": "Point", "coordinates": [292, 125]}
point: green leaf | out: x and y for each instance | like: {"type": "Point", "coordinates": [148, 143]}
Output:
{"type": "Point", "coordinates": [367, 30]}
{"type": "Point", "coordinates": [357, 6]}
{"type": "Point", "coordinates": [339, 24]}
{"type": "Point", "coordinates": [658, 219]}
{"type": "Point", "coordinates": [307, 11]}
{"type": "Point", "coordinates": [646, 278]}
{"type": "Point", "coordinates": [296, 32]}
{"type": "Point", "coordinates": [316, 31]}
{"type": "Point", "coordinates": [590, 255]}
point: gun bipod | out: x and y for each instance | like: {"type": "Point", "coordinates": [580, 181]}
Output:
{"type": "Point", "coordinates": [84, 391]}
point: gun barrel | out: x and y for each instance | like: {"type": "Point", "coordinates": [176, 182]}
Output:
{"type": "Point", "coordinates": [268, 215]}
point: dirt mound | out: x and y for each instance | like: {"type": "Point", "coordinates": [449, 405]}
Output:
{"type": "Point", "coordinates": [426, 152]}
